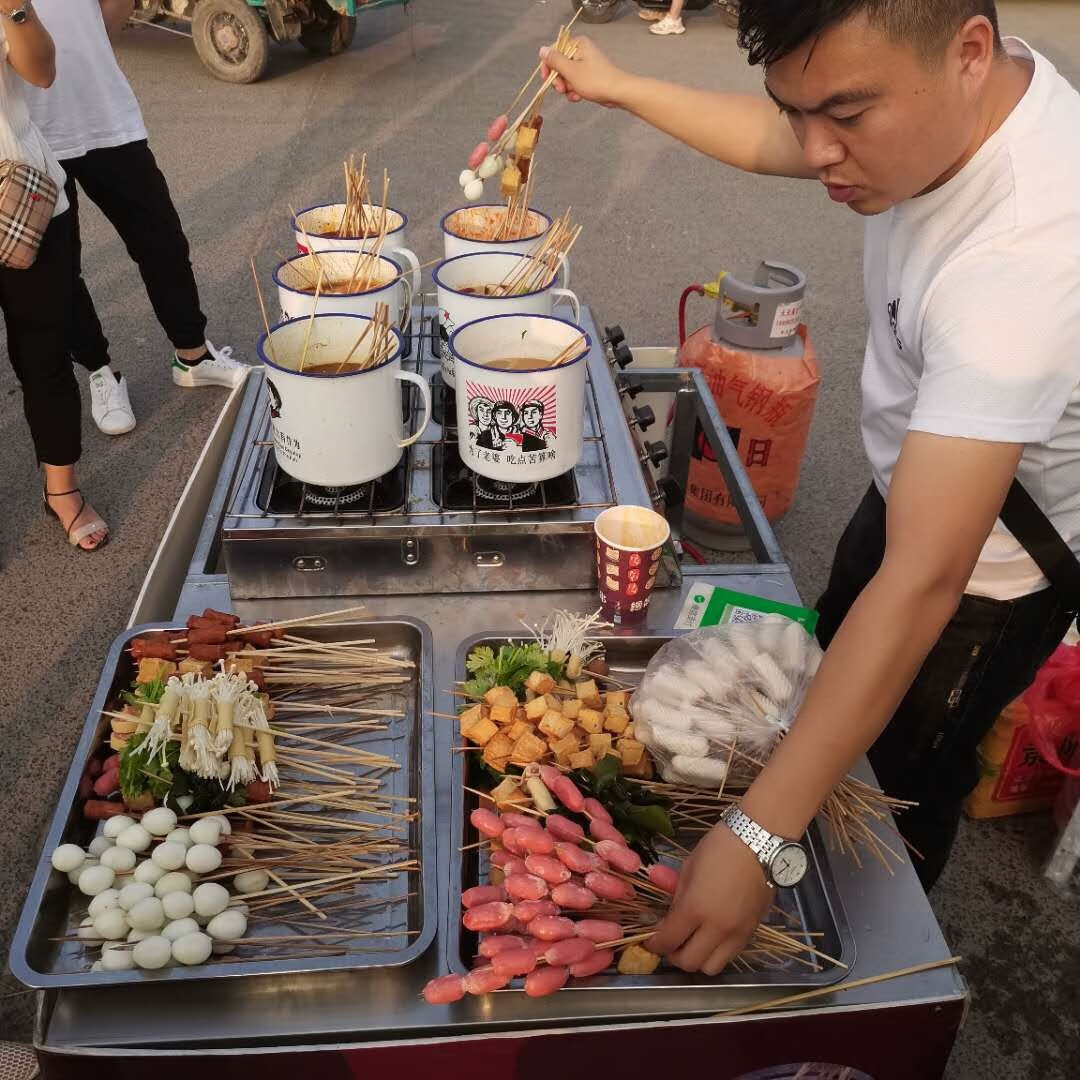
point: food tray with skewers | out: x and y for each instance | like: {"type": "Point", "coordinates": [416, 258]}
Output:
{"type": "Point", "coordinates": [283, 783]}
{"type": "Point", "coordinates": [806, 941]}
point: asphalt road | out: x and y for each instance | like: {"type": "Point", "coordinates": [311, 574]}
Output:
{"type": "Point", "coordinates": [416, 96]}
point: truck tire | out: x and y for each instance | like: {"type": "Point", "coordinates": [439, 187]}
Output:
{"type": "Point", "coordinates": [596, 11]}
{"type": "Point", "coordinates": [231, 40]}
{"type": "Point", "coordinates": [329, 33]}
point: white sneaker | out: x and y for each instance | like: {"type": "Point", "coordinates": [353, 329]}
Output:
{"type": "Point", "coordinates": [218, 369]}
{"type": "Point", "coordinates": [668, 25]}
{"type": "Point", "coordinates": [110, 405]}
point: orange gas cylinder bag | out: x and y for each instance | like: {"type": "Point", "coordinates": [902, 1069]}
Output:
{"type": "Point", "coordinates": [767, 401]}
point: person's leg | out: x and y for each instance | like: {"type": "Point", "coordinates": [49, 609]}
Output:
{"type": "Point", "coordinates": [129, 189]}
{"type": "Point", "coordinates": [986, 657]}
{"type": "Point", "coordinates": [110, 405]}
{"type": "Point", "coordinates": [89, 346]}
{"type": "Point", "coordinates": [36, 304]}
{"type": "Point", "coordinates": [672, 22]}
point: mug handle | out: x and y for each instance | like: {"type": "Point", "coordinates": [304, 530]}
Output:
{"type": "Point", "coordinates": [425, 393]}
{"type": "Point", "coordinates": [409, 257]}
{"type": "Point", "coordinates": [406, 307]}
{"type": "Point", "coordinates": [571, 299]}
{"type": "Point", "coordinates": [564, 270]}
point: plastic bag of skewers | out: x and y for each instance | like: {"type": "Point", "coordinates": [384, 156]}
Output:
{"type": "Point", "coordinates": [712, 705]}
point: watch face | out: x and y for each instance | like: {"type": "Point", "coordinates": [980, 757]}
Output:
{"type": "Point", "coordinates": [789, 866]}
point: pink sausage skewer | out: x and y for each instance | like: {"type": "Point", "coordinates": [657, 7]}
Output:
{"type": "Point", "coordinates": [444, 990]}
{"type": "Point", "coordinates": [574, 897]}
{"type": "Point", "coordinates": [482, 894]}
{"type": "Point", "coordinates": [596, 809]}
{"type": "Point", "coordinates": [580, 862]}
{"type": "Point", "coordinates": [562, 828]}
{"type": "Point", "coordinates": [619, 856]}
{"type": "Point", "coordinates": [527, 910]}
{"type": "Point", "coordinates": [600, 830]}
{"type": "Point", "coordinates": [548, 868]}
{"type": "Point", "coordinates": [598, 930]}
{"type": "Point", "coordinates": [497, 943]}
{"type": "Point", "coordinates": [487, 823]}
{"type": "Point", "coordinates": [484, 980]}
{"type": "Point", "coordinates": [551, 928]}
{"type": "Point", "coordinates": [570, 951]}
{"type": "Point", "coordinates": [515, 962]}
{"type": "Point", "coordinates": [512, 820]}
{"type": "Point", "coordinates": [480, 151]}
{"type": "Point", "coordinates": [601, 960]}
{"type": "Point", "coordinates": [526, 887]}
{"type": "Point", "coordinates": [546, 980]}
{"type": "Point", "coordinates": [609, 887]}
{"type": "Point", "coordinates": [663, 877]}
{"type": "Point", "coordinates": [488, 917]}
{"type": "Point", "coordinates": [536, 841]}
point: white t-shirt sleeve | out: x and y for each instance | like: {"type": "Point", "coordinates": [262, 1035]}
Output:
{"type": "Point", "coordinates": [1001, 347]}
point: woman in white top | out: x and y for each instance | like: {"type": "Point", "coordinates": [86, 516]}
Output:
{"type": "Point", "coordinates": [36, 302]}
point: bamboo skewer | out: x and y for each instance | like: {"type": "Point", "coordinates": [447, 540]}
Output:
{"type": "Point", "coordinates": [262, 310]}
{"type": "Point", "coordinates": [822, 991]}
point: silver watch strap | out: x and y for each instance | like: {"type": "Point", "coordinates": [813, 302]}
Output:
{"type": "Point", "coordinates": [761, 842]}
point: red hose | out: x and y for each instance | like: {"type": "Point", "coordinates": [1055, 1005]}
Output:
{"type": "Point", "coordinates": [686, 294]}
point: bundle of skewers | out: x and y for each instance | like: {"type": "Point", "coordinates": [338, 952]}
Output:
{"type": "Point", "coordinates": [509, 147]}
{"type": "Point", "coordinates": [538, 269]}
{"type": "Point", "coordinates": [568, 898]}
{"type": "Point", "coordinates": [302, 827]}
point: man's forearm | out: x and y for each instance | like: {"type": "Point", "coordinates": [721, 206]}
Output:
{"type": "Point", "coordinates": [116, 13]}
{"type": "Point", "coordinates": [740, 130]}
{"type": "Point", "coordinates": [868, 668]}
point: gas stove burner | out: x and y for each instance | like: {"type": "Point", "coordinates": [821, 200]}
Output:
{"type": "Point", "coordinates": [280, 493]}
{"type": "Point", "coordinates": [502, 492]}
{"type": "Point", "coordinates": [457, 487]}
{"type": "Point", "coordinates": [331, 497]}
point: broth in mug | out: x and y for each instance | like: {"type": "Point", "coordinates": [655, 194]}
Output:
{"type": "Point", "coordinates": [331, 369]}
{"type": "Point", "coordinates": [517, 363]}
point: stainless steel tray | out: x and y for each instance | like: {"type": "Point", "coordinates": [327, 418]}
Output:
{"type": "Point", "coordinates": [53, 907]}
{"type": "Point", "coordinates": [814, 907]}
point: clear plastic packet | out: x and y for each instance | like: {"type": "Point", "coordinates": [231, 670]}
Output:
{"type": "Point", "coordinates": [713, 703]}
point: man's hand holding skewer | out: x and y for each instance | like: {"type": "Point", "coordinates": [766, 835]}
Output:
{"type": "Point", "coordinates": [586, 75]}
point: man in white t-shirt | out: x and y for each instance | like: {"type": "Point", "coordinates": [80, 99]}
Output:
{"type": "Point", "coordinates": [963, 151]}
{"type": "Point", "coordinates": [92, 122]}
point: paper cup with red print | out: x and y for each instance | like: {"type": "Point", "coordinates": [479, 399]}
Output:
{"type": "Point", "coordinates": [629, 543]}
{"type": "Point", "coordinates": [523, 424]}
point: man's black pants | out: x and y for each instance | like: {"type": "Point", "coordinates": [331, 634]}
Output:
{"type": "Point", "coordinates": [986, 657]}
{"type": "Point", "coordinates": [129, 189]}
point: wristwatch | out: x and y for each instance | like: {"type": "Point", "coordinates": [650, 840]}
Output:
{"type": "Point", "coordinates": [19, 15]}
{"type": "Point", "coordinates": [785, 862]}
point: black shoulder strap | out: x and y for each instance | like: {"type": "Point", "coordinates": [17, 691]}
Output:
{"type": "Point", "coordinates": [1023, 517]}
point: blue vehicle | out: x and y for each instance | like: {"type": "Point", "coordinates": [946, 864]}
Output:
{"type": "Point", "coordinates": [232, 37]}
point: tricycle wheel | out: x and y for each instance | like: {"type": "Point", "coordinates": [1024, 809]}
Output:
{"type": "Point", "coordinates": [231, 40]}
{"type": "Point", "coordinates": [596, 11]}
{"type": "Point", "coordinates": [328, 33]}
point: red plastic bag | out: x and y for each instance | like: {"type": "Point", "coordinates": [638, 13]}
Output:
{"type": "Point", "coordinates": [1053, 700]}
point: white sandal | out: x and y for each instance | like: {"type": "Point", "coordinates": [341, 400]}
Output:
{"type": "Point", "coordinates": [76, 536]}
